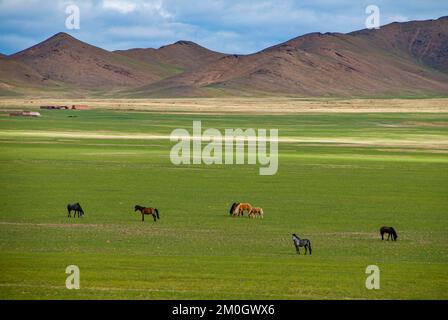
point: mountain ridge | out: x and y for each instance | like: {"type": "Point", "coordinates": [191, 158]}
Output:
{"type": "Point", "coordinates": [401, 58]}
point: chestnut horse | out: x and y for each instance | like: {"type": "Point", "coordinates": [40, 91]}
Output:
{"type": "Point", "coordinates": [148, 211]}
{"type": "Point", "coordinates": [243, 207]}
{"type": "Point", "coordinates": [256, 211]}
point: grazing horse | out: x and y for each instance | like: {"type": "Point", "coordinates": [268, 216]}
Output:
{"type": "Point", "coordinates": [256, 212]}
{"type": "Point", "coordinates": [233, 208]}
{"type": "Point", "coordinates": [75, 207]}
{"type": "Point", "coordinates": [148, 211]}
{"type": "Point", "coordinates": [390, 232]}
{"type": "Point", "coordinates": [301, 243]}
{"type": "Point", "coordinates": [243, 207]}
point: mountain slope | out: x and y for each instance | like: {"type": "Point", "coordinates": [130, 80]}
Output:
{"type": "Point", "coordinates": [17, 77]}
{"type": "Point", "coordinates": [424, 41]}
{"type": "Point", "coordinates": [401, 58]}
{"type": "Point", "coordinates": [65, 59]}
{"type": "Point", "coordinates": [409, 58]}
{"type": "Point", "coordinates": [185, 55]}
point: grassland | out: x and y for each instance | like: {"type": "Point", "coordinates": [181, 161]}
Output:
{"type": "Point", "coordinates": [341, 176]}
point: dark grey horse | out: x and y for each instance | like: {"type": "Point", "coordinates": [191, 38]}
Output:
{"type": "Point", "coordinates": [301, 243]}
{"type": "Point", "coordinates": [390, 233]}
{"type": "Point", "coordinates": [75, 207]}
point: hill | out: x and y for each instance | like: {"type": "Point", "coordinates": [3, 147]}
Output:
{"type": "Point", "coordinates": [185, 55]}
{"type": "Point", "coordinates": [399, 59]}
{"type": "Point", "coordinates": [65, 59]}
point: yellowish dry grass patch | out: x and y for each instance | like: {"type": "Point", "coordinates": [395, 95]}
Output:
{"type": "Point", "coordinates": [244, 105]}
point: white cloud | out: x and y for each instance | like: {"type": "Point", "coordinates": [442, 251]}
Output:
{"type": "Point", "coordinates": [120, 6]}
{"type": "Point", "coordinates": [157, 7]}
{"type": "Point", "coordinates": [153, 7]}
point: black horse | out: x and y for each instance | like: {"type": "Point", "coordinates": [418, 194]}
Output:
{"type": "Point", "coordinates": [301, 243]}
{"type": "Point", "coordinates": [390, 232]}
{"type": "Point", "coordinates": [75, 207]}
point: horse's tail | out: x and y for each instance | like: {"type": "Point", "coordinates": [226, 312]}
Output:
{"type": "Point", "coordinates": [309, 246]}
{"type": "Point", "coordinates": [157, 214]}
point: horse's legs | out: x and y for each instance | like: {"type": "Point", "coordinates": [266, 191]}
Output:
{"type": "Point", "coordinates": [382, 236]}
{"type": "Point", "coordinates": [143, 217]}
{"type": "Point", "coordinates": [388, 236]}
{"type": "Point", "coordinates": [69, 213]}
{"type": "Point", "coordinates": [298, 249]}
{"type": "Point", "coordinates": [154, 216]}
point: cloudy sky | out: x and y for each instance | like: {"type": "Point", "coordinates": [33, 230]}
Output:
{"type": "Point", "coordinates": [230, 26]}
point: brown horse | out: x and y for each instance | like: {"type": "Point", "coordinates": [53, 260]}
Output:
{"type": "Point", "coordinates": [256, 211]}
{"type": "Point", "coordinates": [148, 211]}
{"type": "Point", "coordinates": [243, 207]}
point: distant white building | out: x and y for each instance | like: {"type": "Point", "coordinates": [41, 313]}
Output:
{"type": "Point", "coordinates": [26, 114]}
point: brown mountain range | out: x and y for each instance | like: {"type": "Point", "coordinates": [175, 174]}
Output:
{"type": "Point", "coordinates": [409, 58]}
{"type": "Point", "coordinates": [185, 55]}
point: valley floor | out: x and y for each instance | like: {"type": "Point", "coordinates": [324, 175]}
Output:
{"type": "Point", "coordinates": [346, 168]}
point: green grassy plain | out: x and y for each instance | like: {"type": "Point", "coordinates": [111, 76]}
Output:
{"type": "Point", "coordinates": [378, 169]}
